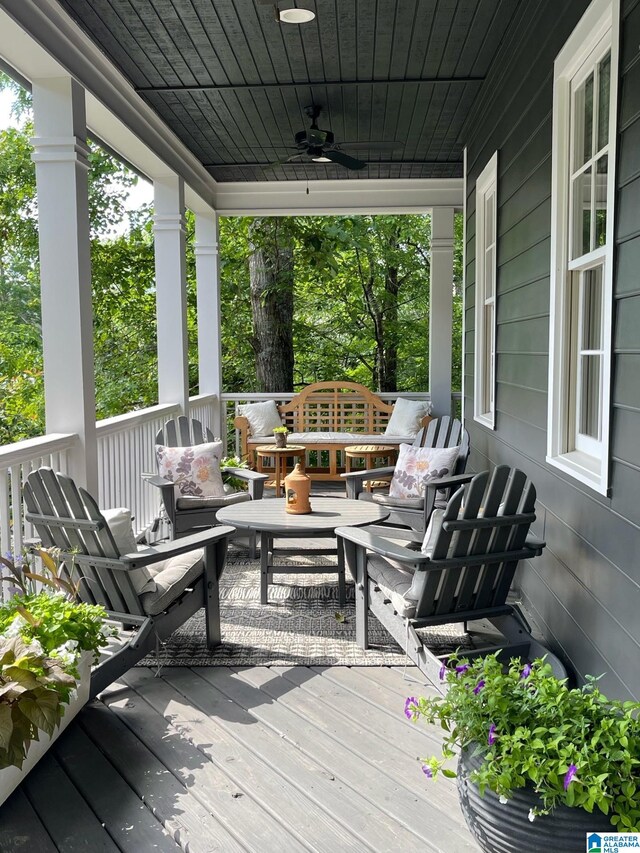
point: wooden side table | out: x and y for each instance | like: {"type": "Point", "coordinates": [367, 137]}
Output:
{"type": "Point", "coordinates": [369, 452]}
{"type": "Point", "coordinates": [279, 455]}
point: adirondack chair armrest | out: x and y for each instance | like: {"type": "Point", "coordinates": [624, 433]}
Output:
{"type": "Point", "coordinates": [156, 480]}
{"type": "Point", "coordinates": [155, 553]}
{"type": "Point", "coordinates": [535, 544]}
{"type": "Point", "coordinates": [381, 546]}
{"type": "Point", "coordinates": [449, 482]}
{"type": "Point", "coordinates": [355, 480]}
{"type": "Point", "coordinates": [245, 474]}
{"type": "Point", "coordinates": [369, 474]}
{"type": "Point", "coordinates": [254, 480]}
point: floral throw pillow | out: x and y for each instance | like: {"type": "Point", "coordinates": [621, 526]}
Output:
{"type": "Point", "coordinates": [416, 466]}
{"type": "Point", "coordinates": [194, 470]}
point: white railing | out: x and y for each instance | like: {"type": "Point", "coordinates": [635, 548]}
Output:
{"type": "Point", "coordinates": [126, 451]}
{"type": "Point", "coordinates": [204, 408]}
{"type": "Point", "coordinates": [16, 463]}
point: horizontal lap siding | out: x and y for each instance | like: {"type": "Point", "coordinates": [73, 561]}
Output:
{"type": "Point", "coordinates": [584, 592]}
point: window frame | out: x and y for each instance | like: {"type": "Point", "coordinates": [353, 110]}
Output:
{"type": "Point", "coordinates": [486, 186]}
{"type": "Point", "coordinates": [597, 31]}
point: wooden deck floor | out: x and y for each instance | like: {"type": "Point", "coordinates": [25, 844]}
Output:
{"type": "Point", "coordinates": [260, 759]}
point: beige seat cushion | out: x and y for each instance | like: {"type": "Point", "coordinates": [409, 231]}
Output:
{"type": "Point", "coordinates": [171, 578]}
{"type": "Point", "coordinates": [119, 523]}
{"type": "Point", "coordinates": [212, 503]}
{"type": "Point", "coordinates": [394, 580]}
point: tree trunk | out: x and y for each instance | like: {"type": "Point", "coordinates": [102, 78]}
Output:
{"type": "Point", "coordinates": [388, 379]}
{"type": "Point", "coordinates": [272, 280]}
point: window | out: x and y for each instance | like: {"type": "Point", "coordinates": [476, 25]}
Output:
{"type": "Point", "coordinates": [584, 136]}
{"type": "Point", "coordinates": [485, 350]}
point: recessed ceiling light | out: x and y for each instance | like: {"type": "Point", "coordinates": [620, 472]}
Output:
{"type": "Point", "coordinates": [321, 160]}
{"type": "Point", "coordinates": [296, 16]}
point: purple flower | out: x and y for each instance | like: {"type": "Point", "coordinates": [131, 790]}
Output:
{"type": "Point", "coordinates": [462, 668]}
{"type": "Point", "coordinates": [443, 671]}
{"type": "Point", "coordinates": [408, 710]}
{"type": "Point", "coordinates": [571, 772]}
{"type": "Point", "coordinates": [492, 735]}
{"type": "Point", "coordinates": [478, 687]}
{"type": "Point", "coordinates": [428, 772]}
{"type": "Point", "coordinates": [526, 671]}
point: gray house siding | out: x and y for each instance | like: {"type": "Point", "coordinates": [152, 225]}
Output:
{"type": "Point", "coordinates": [584, 592]}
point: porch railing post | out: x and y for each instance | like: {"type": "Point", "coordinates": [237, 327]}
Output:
{"type": "Point", "coordinates": [441, 309]}
{"type": "Point", "coordinates": [208, 300]}
{"type": "Point", "coordinates": [60, 156]}
{"type": "Point", "coordinates": [171, 290]}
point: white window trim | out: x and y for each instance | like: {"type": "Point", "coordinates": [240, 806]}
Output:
{"type": "Point", "coordinates": [601, 18]}
{"type": "Point", "coordinates": [486, 183]}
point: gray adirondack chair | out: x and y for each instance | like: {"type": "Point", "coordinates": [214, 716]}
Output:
{"type": "Point", "coordinates": [186, 514]}
{"type": "Point", "coordinates": [474, 546]}
{"type": "Point", "coordinates": [185, 573]}
{"type": "Point", "coordinates": [416, 512]}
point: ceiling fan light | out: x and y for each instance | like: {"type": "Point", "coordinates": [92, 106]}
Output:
{"type": "Point", "coordinates": [321, 160]}
{"type": "Point", "coordinates": [296, 16]}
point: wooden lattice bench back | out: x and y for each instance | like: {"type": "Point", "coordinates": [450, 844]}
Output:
{"type": "Point", "coordinates": [336, 407]}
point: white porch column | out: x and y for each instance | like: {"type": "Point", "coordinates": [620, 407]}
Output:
{"type": "Point", "coordinates": [441, 309]}
{"type": "Point", "coordinates": [171, 291]}
{"type": "Point", "coordinates": [208, 293]}
{"type": "Point", "coordinates": [60, 155]}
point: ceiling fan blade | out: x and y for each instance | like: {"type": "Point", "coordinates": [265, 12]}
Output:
{"type": "Point", "coordinates": [343, 159]}
{"type": "Point", "coordinates": [371, 146]}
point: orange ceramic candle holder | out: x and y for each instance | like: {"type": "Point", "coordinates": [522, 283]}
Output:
{"type": "Point", "coordinates": [297, 488]}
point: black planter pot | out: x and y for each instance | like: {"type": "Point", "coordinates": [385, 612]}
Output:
{"type": "Point", "coordinates": [506, 828]}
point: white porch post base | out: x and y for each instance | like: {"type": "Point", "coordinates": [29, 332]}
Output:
{"type": "Point", "coordinates": [441, 309]}
{"type": "Point", "coordinates": [60, 155]}
{"type": "Point", "coordinates": [171, 291]}
{"type": "Point", "coordinates": [209, 336]}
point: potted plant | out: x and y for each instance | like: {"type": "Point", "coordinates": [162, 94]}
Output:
{"type": "Point", "coordinates": [280, 435]}
{"type": "Point", "coordinates": [48, 641]}
{"type": "Point", "coordinates": [539, 764]}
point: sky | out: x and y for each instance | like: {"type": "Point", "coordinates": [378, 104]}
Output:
{"type": "Point", "coordinates": [142, 193]}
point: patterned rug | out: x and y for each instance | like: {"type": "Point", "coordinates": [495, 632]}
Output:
{"type": "Point", "coordinates": [301, 625]}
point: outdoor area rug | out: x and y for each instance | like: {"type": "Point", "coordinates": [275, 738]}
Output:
{"type": "Point", "coordinates": [301, 625]}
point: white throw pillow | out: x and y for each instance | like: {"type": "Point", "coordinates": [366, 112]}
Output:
{"type": "Point", "coordinates": [418, 465]}
{"type": "Point", "coordinates": [407, 416]}
{"type": "Point", "coordinates": [194, 470]}
{"type": "Point", "coordinates": [263, 417]}
{"type": "Point", "coordinates": [119, 523]}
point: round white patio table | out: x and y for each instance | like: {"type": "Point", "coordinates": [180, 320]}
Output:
{"type": "Point", "coordinates": [269, 519]}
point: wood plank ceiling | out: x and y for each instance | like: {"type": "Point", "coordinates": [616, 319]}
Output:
{"type": "Point", "coordinates": [233, 83]}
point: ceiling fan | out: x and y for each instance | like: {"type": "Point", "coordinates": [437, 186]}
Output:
{"type": "Point", "coordinates": [320, 145]}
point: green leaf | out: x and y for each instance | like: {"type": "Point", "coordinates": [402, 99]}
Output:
{"type": "Point", "coordinates": [43, 713]}
{"type": "Point", "coordinates": [450, 774]}
{"type": "Point", "coordinates": [6, 726]}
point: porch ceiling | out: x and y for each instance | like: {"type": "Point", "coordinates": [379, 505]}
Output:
{"type": "Point", "coordinates": [232, 83]}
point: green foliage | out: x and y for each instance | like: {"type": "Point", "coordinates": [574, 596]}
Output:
{"type": "Point", "coordinates": [34, 689]}
{"type": "Point", "coordinates": [235, 483]}
{"type": "Point", "coordinates": [54, 620]}
{"type": "Point", "coordinates": [361, 290]}
{"type": "Point", "coordinates": [572, 746]}
{"type": "Point", "coordinates": [41, 638]}
{"type": "Point", "coordinates": [24, 576]}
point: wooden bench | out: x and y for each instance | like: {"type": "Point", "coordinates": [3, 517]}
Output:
{"type": "Point", "coordinates": [326, 417]}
